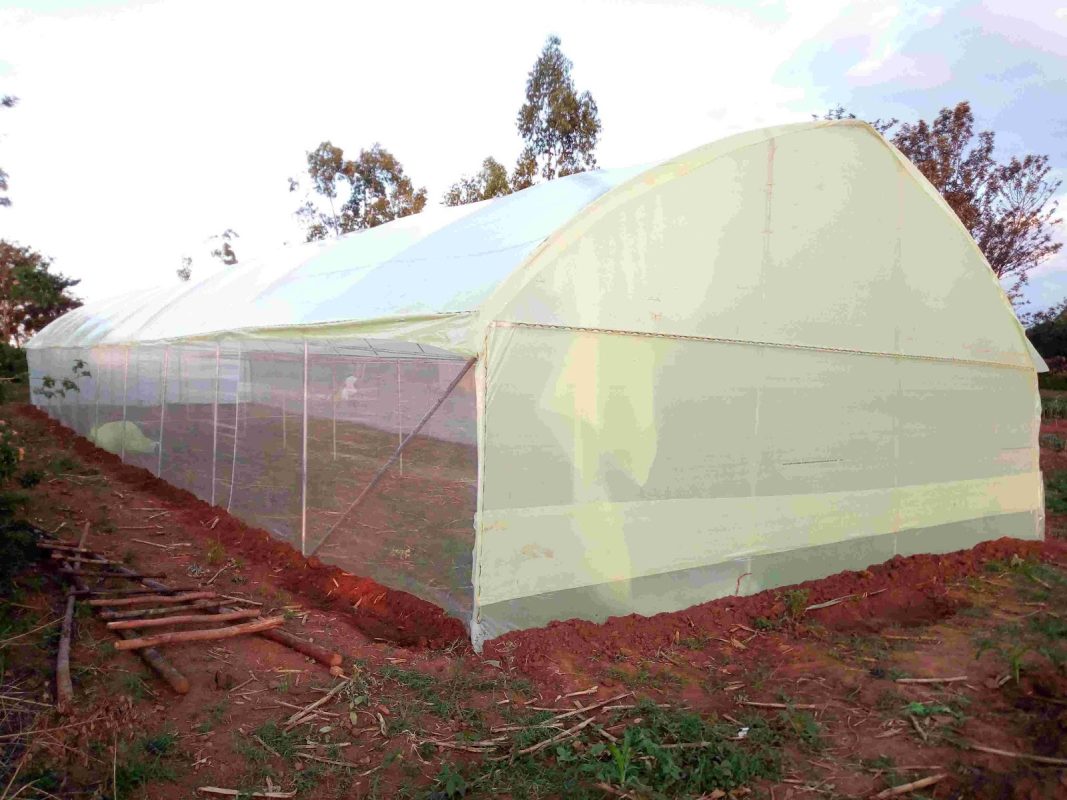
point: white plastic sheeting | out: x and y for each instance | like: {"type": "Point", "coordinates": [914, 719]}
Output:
{"type": "Point", "coordinates": [442, 262]}
{"type": "Point", "coordinates": [775, 357]}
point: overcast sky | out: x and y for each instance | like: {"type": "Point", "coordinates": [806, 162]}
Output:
{"type": "Point", "coordinates": [145, 127]}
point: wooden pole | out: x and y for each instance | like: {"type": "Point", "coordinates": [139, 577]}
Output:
{"type": "Point", "coordinates": [188, 619]}
{"type": "Point", "coordinates": [320, 654]}
{"type": "Point", "coordinates": [137, 613]}
{"type": "Point", "coordinates": [128, 592]}
{"type": "Point", "coordinates": [207, 635]}
{"type": "Point", "coordinates": [64, 685]}
{"type": "Point", "coordinates": [113, 574]}
{"type": "Point", "coordinates": [152, 598]}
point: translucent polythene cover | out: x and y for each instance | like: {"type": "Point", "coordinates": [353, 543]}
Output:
{"type": "Point", "coordinates": [442, 262]}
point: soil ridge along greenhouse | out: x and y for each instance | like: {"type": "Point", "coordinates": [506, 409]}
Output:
{"type": "Point", "coordinates": [767, 360]}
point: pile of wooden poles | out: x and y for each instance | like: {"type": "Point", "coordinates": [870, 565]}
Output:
{"type": "Point", "coordinates": [153, 605]}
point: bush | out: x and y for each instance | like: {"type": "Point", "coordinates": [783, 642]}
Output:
{"type": "Point", "coordinates": [18, 549]}
{"type": "Point", "coordinates": [13, 369]}
{"type": "Point", "coordinates": [10, 452]}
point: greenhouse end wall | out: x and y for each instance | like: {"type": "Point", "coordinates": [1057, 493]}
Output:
{"type": "Point", "coordinates": [300, 439]}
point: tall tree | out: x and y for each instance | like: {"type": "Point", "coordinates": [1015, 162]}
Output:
{"type": "Point", "coordinates": [31, 296]}
{"type": "Point", "coordinates": [490, 181]}
{"type": "Point", "coordinates": [381, 192]}
{"type": "Point", "coordinates": [1009, 207]}
{"type": "Point", "coordinates": [378, 191]}
{"type": "Point", "coordinates": [224, 252]}
{"type": "Point", "coordinates": [6, 101]}
{"type": "Point", "coordinates": [559, 127]}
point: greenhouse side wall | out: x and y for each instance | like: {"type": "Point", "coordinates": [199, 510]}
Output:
{"type": "Point", "coordinates": [300, 439]}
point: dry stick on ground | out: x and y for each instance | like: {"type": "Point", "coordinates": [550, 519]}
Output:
{"type": "Point", "coordinates": [955, 679]}
{"type": "Point", "coordinates": [139, 613]}
{"type": "Point", "coordinates": [557, 738]}
{"type": "Point", "coordinates": [348, 764]}
{"type": "Point", "coordinates": [295, 718]}
{"type": "Point", "coordinates": [922, 783]}
{"type": "Point", "coordinates": [837, 600]}
{"type": "Point", "coordinates": [64, 686]}
{"type": "Point", "coordinates": [1059, 762]}
{"type": "Point", "coordinates": [206, 635]}
{"type": "Point", "coordinates": [188, 619]}
{"type": "Point", "coordinates": [235, 793]}
{"type": "Point", "coordinates": [918, 728]}
{"type": "Point", "coordinates": [781, 705]}
{"type": "Point", "coordinates": [153, 598]}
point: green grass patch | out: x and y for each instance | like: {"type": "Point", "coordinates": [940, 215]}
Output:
{"type": "Point", "coordinates": [645, 678]}
{"type": "Point", "coordinates": [670, 753]}
{"type": "Point", "coordinates": [1056, 491]}
{"type": "Point", "coordinates": [446, 697]}
{"type": "Point", "coordinates": [144, 762]}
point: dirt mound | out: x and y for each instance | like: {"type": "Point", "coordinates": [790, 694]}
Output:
{"type": "Point", "coordinates": [915, 593]}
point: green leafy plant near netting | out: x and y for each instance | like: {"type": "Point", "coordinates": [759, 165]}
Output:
{"type": "Point", "coordinates": [51, 387]}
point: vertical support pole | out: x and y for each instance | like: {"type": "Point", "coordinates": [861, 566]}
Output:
{"type": "Point", "coordinates": [399, 419]}
{"type": "Point", "coordinates": [236, 426]}
{"type": "Point", "coordinates": [163, 406]}
{"type": "Point", "coordinates": [96, 391]}
{"type": "Point", "coordinates": [304, 464]}
{"type": "Point", "coordinates": [333, 401]}
{"type": "Point", "coordinates": [125, 384]}
{"type": "Point", "coordinates": [215, 423]}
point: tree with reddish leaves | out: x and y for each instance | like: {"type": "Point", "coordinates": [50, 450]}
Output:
{"type": "Point", "coordinates": [1009, 207]}
{"type": "Point", "coordinates": [31, 296]}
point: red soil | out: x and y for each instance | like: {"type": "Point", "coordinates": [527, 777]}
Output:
{"type": "Point", "coordinates": [915, 593]}
{"type": "Point", "coordinates": [382, 613]}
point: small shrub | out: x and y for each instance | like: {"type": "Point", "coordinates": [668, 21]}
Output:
{"type": "Point", "coordinates": [29, 478]}
{"type": "Point", "coordinates": [796, 602]}
{"type": "Point", "coordinates": [216, 553]}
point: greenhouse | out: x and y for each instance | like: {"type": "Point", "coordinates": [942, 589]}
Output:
{"type": "Point", "coordinates": [767, 360]}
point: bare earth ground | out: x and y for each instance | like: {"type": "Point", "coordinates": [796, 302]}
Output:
{"type": "Point", "coordinates": [421, 716]}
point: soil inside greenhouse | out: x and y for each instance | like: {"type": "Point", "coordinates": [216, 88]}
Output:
{"type": "Point", "coordinates": [381, 613]}
{"type": "Point", "coordinates": [421, 717]}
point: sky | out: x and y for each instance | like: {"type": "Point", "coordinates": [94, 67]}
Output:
{"type": "Point", "coordinates": [144, 128]}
